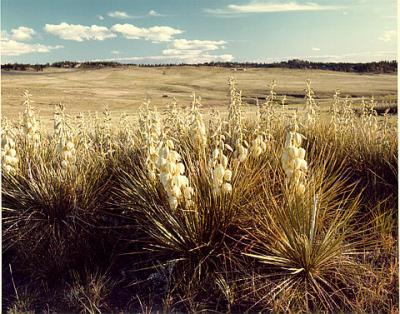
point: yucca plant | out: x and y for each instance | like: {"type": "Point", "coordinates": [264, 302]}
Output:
{"type": "Point", "coordinates": [192, 239]}
{"type": "Point", "coordinates": [49, 215]}
{"type": "Point", "coordinates": [371, 158]}
{"type": "Point", "coordinates": [308, 246]}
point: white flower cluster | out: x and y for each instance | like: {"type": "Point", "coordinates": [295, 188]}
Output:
{"type": "Point", "coordinates": [221, 175]}
{"type": "Point", "coordinates": [126, 130]}
{"type": "Point", "coordinates": [68, 153]}
{"type": "Point", "coordinates": [29, 123]}
{"type": "Point", "coordinates": [266, 111]}
{"type": "Point", "coordinates": [310, 106]}
{"type": "Point", "coordinates": [65, 147]}
{"type": "Point", "coordinates": [371, 120]}
{"type": "Point", "coordinates": [241, 152]}
{"type": "Point", "coordinates": [197, 126]}
{"type": "Point", "coordinates": [171, 174]}
{"type": "Point", "coordinates": [258, 146]}
{"type": "Point", "coordinates": [150, 132]}
{"type": "Point", "coordinates": [9, 154]}
{"type": "Point", "coordinates": [293, 161]}
{"type": "Point", "coordinates": [235, 124]}
{"type": "Point", "coordinates": [82, 131]}
{"type": "Point", "coordinates": [262, 133]}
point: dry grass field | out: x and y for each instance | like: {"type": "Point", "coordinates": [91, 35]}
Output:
{"type": "Point", "coordinates": [184, 210]}
{"type": "Point", "coordinates": [125, 89]}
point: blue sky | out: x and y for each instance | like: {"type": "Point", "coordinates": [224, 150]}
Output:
{"type": "Point", "coordinates": [191, 31]}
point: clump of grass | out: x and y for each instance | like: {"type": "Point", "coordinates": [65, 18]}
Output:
{"type": "Point", "coordinates": [88, 292]}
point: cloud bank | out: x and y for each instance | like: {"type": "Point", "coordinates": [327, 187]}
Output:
{"type": "Point", "coordinates": [77, 32]}
{"type": "Point", "coordinates": [270, 7]}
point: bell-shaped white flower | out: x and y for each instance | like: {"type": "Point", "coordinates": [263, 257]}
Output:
{"type": "Point", "coordinates": [228, 175]}
{"type": "Point", "coordinates": [227, 188]}
{"type": "Point", "coordinates": [293, 162]}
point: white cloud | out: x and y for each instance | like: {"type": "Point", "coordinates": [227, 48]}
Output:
{"type": "Point", "coordinates": [195, 51]}
{"type": "Point", "coordinates": [198, 44]}
{"type": "Point", "coordinates": [270, 7]}
{"type": "Point", "coordinates": [10, 47]}
{"type": "Point", "coordinates": [155, 33]}
{"type": "Point", "coordinates": [119, 15]}
{"type": "Point", "coordinates": [81, 32]}
{"type": "Point", "coordinates": [153, 13]}
{"type": "Point", "coordinates": [100, 17]}
{"type": "Point", "coordinates": [177, 52]}
{"type": "Point", "coordinates": [22, 33]}
{"type": "Point", "coordinates": [315, 49]}
{"type": "Point", "coordinates": [78, 32]}
{"type": "Point", "coordinates": [388, 36]}
{"type": "Point", "coordinates": [115, 52]}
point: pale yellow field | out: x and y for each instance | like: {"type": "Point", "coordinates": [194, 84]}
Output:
{"type": "Point", "coordinates": [124, 89]}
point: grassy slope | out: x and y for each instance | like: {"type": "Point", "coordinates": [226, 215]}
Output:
{"type": "Point", "coordinates": [125, 89]}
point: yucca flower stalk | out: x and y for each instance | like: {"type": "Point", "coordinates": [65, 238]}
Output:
{"type": "Point", "coordinates": [293, 161]}
{"type": "Point", "coordinates": [241, 152]}
{"type": "Point", "coordinates": [150, 131]}
{"type": "Point", "coordinates": [58, 121]}
{"type": "Point", "coordinates": [175, 122]}
{"type": "Point", "coordinates": [221, 175]}
{"type": "Point", "coordinates": [348, 116]}
{"type": "Point", "coordinates": [63, 137]}
{"type": "Point", "coordinates": [9, 156]}
{"type": "Point", "coordinates": [371, 119]}
{"type": "Point", "coordinates": [258, 146]}
{"type": "Point", "coordinates": [235, 116]}
{"type": "Point", "coordinates": [68, 154]}
{"type": "Point", "coordinates": [82, 131]}
{"type": "Point", "coordinates": [310, 106]}
{"type": "Point", "coordinates": [267, 114]}
{"type": "Point", "coordinates": [259, 143]}
{"type": "Point", "coordinates": [30, 124]}
{"type": "Point", "coordinates": [172, 175]}
{"type": "Point", "coordinates": [235, 124]}
{"type": "Point", "coordinates": [126, 133]}
{"type": "Point", "coordinates": [197, 126]}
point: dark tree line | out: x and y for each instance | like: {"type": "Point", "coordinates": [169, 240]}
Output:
{"type": "Point", "coordinates": [369, 67]}
{"type": "Point", "coordinates": [60, 64]}
{"type": "Point", "coordinates": [23, 67]}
